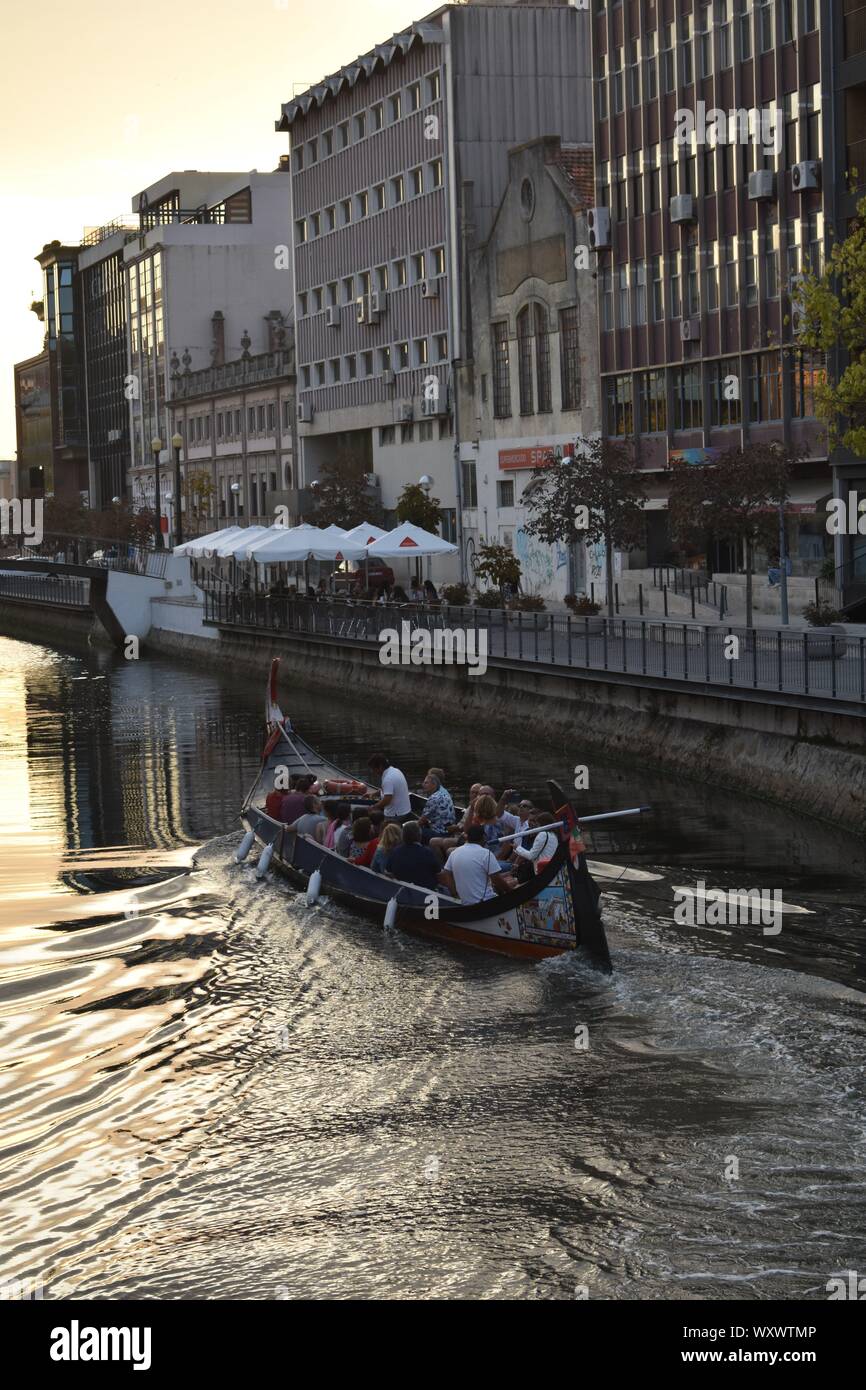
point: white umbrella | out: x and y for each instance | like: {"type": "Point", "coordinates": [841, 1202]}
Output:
{"type": "Point", "coordinates": [407, 541]}
{"type": "Point", "coordinates": [306, 543]}
{"type": "Point", "coordinates": [247, 552]}
{"type": "Point", "coordinates": [234, 544]}
{"type": "Point", "coordinates": [365, 533]}
{"type": "Point", "coordinates": [199, 544]}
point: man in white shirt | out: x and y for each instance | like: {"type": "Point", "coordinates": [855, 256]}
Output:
{"type": "Point", "coordinates": [394, 802]}
{"type": "Point", "coordinates": [472, 873]}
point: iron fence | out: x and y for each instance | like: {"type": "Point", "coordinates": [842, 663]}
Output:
{"type": "Point", "coordinates": [821, 663]}
{"type": "Point", "coordinates": [63, 589]}
{"type": "Point", "coordinates": [98, 552]}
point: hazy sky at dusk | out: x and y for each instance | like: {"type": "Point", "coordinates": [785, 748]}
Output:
{"type": "Point", "coordinates": [100, 99]}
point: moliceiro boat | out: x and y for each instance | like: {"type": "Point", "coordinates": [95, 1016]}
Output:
{"type": "Point", "coordinates": [557, 911]}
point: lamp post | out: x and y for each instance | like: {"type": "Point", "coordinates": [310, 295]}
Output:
{"type": "Point", "coordinates": [177, 444]}
{"type": "Point", "coordinates": [156, 449]}
{"type": "Point", "coordinates": [783, 562]}
{"type": "Point", "coordinates": [235, 491]}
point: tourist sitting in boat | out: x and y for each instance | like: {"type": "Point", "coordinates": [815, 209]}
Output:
{"type": "Point", "coordinates": [391, 837]}
{"type": "Point", "coordinates": [444, 844]}
{"type": "Point", "coordinates": [313, 822]}
{"type": "Point", "coordinates": [340, 813]}
{"type": "Point", "coordinates": [343, 837]}
{"type": "Point", "coordinates": [543, 845]}
{"type": "Point", "coordinates": [292, 804]}
{"type": "Point", "coordinates": [472, 873]}
{"type": "Point", "coordinates": [364, 842]}
{"type": "Point", "coordinates": [395, 789]}
{"type": "Point", "coordinates": [413, 862]}
{"type": "Point", "coordinates": [438, 813]}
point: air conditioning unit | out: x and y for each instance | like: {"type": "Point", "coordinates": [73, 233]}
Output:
{"type": "Point", "coordinates": [598, 222]}
{"type": "Point", "coordinates": [691, 330]}
{"type": "Point", "coordinates": [404, 412]}
{"type": "Point", "coordinates": [388, 377]}
{"type": "Point", "coordinates": [332, 316]}
{"type": "Point", "coordinates": [305, 413]}
{"type": "Point", "coordinates": [378, 302]}
{"type": "Point", "coordinates": [683, 208]}
{"type": "Point", "coordinates": [805, 175]}
{"type": "Point", "coordinates": [429, 289]}
{"type": "Point", "coordinates": [433, 405]}
{"type": "Point", "coordinates": [762, 185]}
{"type": "Point", "coordinates": [362, 304]}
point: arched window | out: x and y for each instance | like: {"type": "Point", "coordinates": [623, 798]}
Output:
{"type": "Point", "coordinates": [542, 360]}
{"type": "Point", "coordinates": [524, 360]}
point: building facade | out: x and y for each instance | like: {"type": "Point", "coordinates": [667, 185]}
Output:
{"type": "Point", "coordinates": [703, 226]}
{"type": "Point", "coordinates": [399, 164]}
{"type": "Point", "coordinates": [531, 385]}
{"type": "Point", "coordinates": [237, 423]}
{"type": "Point", "coordinates": [104, 356]}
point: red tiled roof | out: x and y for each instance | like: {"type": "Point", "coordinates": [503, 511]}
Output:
{"type": "Point", "coordinates": [576, 163]}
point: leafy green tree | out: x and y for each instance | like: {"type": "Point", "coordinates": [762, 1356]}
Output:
{"type": "Point", "coordinates": [833, 308]}
{"type": "Point", "coordinates": [596, 496]}
{"type": "Point", "coordinates": [736, 498]}
{"type": "Point", "coordinates": [342, 495]}
{"type": "Point", "coordinates": [498, 565]}
{"type": "Point", "coordinates": [414, 505]}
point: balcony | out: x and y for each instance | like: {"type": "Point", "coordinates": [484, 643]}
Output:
{"type": "Point", "coordinates": [245, 371]}
{"type": "Point", "coordinates": [855, 157]}
{"type": "Point", "coordinates": [855, 32]}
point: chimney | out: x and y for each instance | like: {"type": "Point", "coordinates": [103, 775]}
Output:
{"type": "Point", "coordinates": [218, 335]}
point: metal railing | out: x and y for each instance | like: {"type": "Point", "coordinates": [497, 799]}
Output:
{"type": "Point", "coordinates": [847, 588]}
{"type": "Point", "coordinates": [695, 585]}
{"type": "Point", "coordinates": [63, 589]}
{"type": "Point", "coordinates": [98, 552]}
{"type": "Point", "coordinates": [819, 664]}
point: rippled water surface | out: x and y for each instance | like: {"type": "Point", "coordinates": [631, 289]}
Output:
{"type": "Point", "coordinates": [211, 1091]}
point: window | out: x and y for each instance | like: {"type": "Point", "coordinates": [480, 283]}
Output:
{"type": "Point", "coordinates": [620, 188]}
{"type": "Point", "coordinates": [653, 403]}
{"type": "Point", "coordinates": [633, 74]}
{"type": "Point", "coordinates": [312, 150]}
{"type": "Point", "coordinates": [436, 173]}
{"type": "Point", "coordinates": [362, 204]}
{"type": "Point", "coordinates": [346, 211]}
{"type": "Point", "coordinates": [441, 342]}
{"type": "Point", "coordinates": [416, 182]}
{"type": "Point", "coordinates": [787, 10]}
{"type": "Point", "coordinates": [419, 267]}
{"type": "Point", "coordinates": [397, 190]}
{"type": "Point", "coordinates": [377, 115]}
{"type": "Point", "coordinates": [654, 176]}
{"type": "Point", "coordinates": [809, 373]}
{"type": "Point", "coordinates": [315, 225]}
{"type": "Point", "coordinates": [437, 256]}
{"type": "Point", "coordinates": [351, 367]}
{"type": "Point", "coordinates": [433, 87]}
{"type": "Point", "coordinates": [524, 361]}
{"type": "Point", "coordinates": [810, 16]}
{"type": "Point", "coordinates": [650, 67]}
{"type": "Point", "coordinates": [271, 417]}
{"type": "Point", "coordinates": [618, 412]}
{"type": "Point", "coordinates": [331, 292]}
{"type": "Point", "coordinates": [381, 277]}
{"type": "Point", "coordinates": [425, 431]}
{"type": "Point", "coordinates": [343, 134]}
{"type": "Point", "coordinates": [705, 41]}
{"type": "Point", "coordinates": [764, 18]}
{"type": "Point", "coordinates": [299, 157]}
{"type": "Point", "coordinates": [414, 95]}
{"type": "Point", "coordinates": [360, 126]}
{"type": "Point", "coordinates": [771, 256]}
{"type": "Point", "coordinates": [384, 359]}
{"type": "Point", "coordinates": [420, 347]}
{"type": "Point", "coordinates": [327, 143]}
{"type": "Point", "coordinates": [330, 218]}
{"type": "Point", "coordinates": [686, 50]}
{"type": "Point", "coordinates": [601, 87]}
{"type": "Point", "coordinates": [251, 420]}
{"type": "Point", "coordinates": [636, 205]}
{"type": "Point", "coordinates": [813, 241]}
{"type": "Point", "coordinates": [727, 154]}
{"type": "Point", "coordinates": [691, 279]}
{"type": "Point", "coordinates": [709, 170]}
{"type": "Point", "coordinates": [605, 284]}
{"type": "Point", "coordinates": [672, 165]}
{"type": "Point", "coordinates": [569, 359]}
{"type": "Point", "coordinates": [505, 492]}
{"type": "Point", "coordinates": [791, 111]}
{"type": "Point", "coordinates": [712, 276]}
{"type": "Point", "coordinates": [219, 424]}
{"type": "Point", "coordinates": [810, 105]}
{"type": "Point", "coordinates": [724, 382]}
{"type": "Point", "coordinates": [616, 73]}
{"type": "Point", "coordinates": [448, 515]}
{"type": "Point", "coordinates": [317, 299]}
{"type": "Point", "coordinates": [402, 351]}
{"type": "Point", "coordinates": [745, 36]}
{"type": "Point", "coordinates": [688, 404]}
{"type": "Point", "coordinates": [400, 276]}
{"type": "Point", "coordinates": [395, 107]}
{"type": "Point", "coordinates": [675, 279]}
{"type": "Point", "coordinates": [765, 386]}
{"type": "Point", "coordinates": [387, 435]}
{"type": "Point", "coordinates": [623, 311]}
{"type": "Point", "coordinates": [302, 305]}
{"type": "Point", "coordinates": [379, 197]}
{"type": "Point", "coordinates": [658, 283]}
{"type": "Point", "coordinates": [726, 43]}
{"type": "Point", "coordinates": [669, 81]}
{"type": "Point", "coordinates": [365, 282]}
{"type": "Point", "coordinates": [334, 365]}
{"type": "Point", "coordinates": [348, 289]}
{"type": "Point", "coordinates": [729, 245]}
{"type": "Point", "coordinates": [301, 229]}
{"type": "Point", "coordinates": [320, 373]}
{"type": "Point", "coordinates": [367, 363]}
{"type": "Point", "coordinates": [470, 484]}
{"type": "Point", "coordinates": [542, 360]}
{"type": "Point", "coordinates": [751, 266]}
{"type": "Point", "coordinates": [640, 293]}
{"type": "Point", "coordinates": [792, 249]}
{"type": "Point", "coordinates": [501, 370]}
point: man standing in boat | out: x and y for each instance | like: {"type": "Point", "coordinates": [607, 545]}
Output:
{"type": "Point", "coordinates": [394, 802]}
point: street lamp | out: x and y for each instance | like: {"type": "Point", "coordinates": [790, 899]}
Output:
{"type": "Point", "coordinates": [156, 448]}
{"type": "Point", "coordinates": [177, 444]}
{"type": "Point", "coordinates": [235, 490]}
{"type": "Point", "coordinates": [426, 482]}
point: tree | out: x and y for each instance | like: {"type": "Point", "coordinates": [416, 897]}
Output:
{"type": "Point", "coordinates": [342, 495]}
{"type": "Point", "coordinates": [736, 498]}
{"type": "Point", "coordinates": [498, 565]}
{"type": "Point", "coordinates": [414, 505]}
{"type": "Point", "coordinates": [833, 308]}
{"type": "Point", "coordinates": [596, 496]}
{"type": "Point", "coordinates": [197, 489]}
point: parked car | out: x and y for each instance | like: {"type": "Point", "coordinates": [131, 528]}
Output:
{"type": "Point", "coordinates": [381, 576]}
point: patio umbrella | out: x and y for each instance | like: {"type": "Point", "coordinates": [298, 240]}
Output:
{"type": "Point", "coordinates": [409, 541]}
{"type": "Point", "coordinates": [197, 546]}
{"type": "Point", "coordinates": [230, 548]}
{"type": "Point", "coordinates": [365, 533]}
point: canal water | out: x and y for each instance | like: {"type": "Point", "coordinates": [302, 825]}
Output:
{"type": "Point", "coordinates": [211, 1091]}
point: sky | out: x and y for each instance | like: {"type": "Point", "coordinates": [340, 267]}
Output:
{"type": "Point", "coordinates": [100, 99]}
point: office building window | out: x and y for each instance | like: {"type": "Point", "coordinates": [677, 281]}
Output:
{"type": "Point", "coordinates": [397, 190]}
{"type": "Point", "coordinates": [788, 23]}
{"type": "Point", "coordinates": [335, 370]}
{"type": "Point", "coordinates": [470, 484]}
{"type": "Point", "coordinates": [437, 256]}
{"type": "Point", "coordinates": [617, 82]}
{"type": "Point", "coordinates": [687, 50]}
{"type": "Point", "coordinates": [810, 16]}
{"type": "Point", "coordinates": [433, 87]}
{"type": "Point", "coordinates": [640, 292]}
{"type": "Point", "coordinates": [618, 414]}
{"type": "Point", "coordinates": [346, 211]}
{"type": "Point", "coordinates": [653, 403]}
{"type": "Point", "coordinates": [379, 197]}
{"type": "Point", "coordinates": [362, 204]}
{"type": "Point", "coordinates": [605, 283]}
{"type": "Point", "coordinates": [813, 241]}
{"type": "Point", "coordinates": [384, 359]}
{"type": "Point", "coordinates": [320, 373]}
{"type": "Point", "coordinates": [725, 393]}
{"type": "Point", "coordinates": [650, 67]}
{"type": "Point", "coordinates": [421, 353]}
{"type": "Point", "coordinates": [691, 278]}
{"type": "Point", "coordinates": [395, 107]}
{"type": "Point", "coordinates": [601, 87]}
{"type": "Point", "coordinates": [658, 283]}
{"type": "Point", "coordinates": [729, 249]}
{"type": "Point", "coordinates": [636, 206]}
{"type": "Point", "coordinates": [569, 359]}
{"type": "Point", "coordinates": [348, 289]}
{"type": "Point", "coordinates": [771, 256]}
{"type": "Point", "coordinates": [360, 126]}
{"type": "Point", "coordinates": [654, 178]}
{"type": "Point", "coordinates": [501, 370]}
{"type": "Point", "coordinates": [387, 435]}
{"type": "Point", "coordinates": [668, 71]}
{"type": "Point", "coordinates": [705, 41]}
{"type": "Point", "coordinates": [327, 143]}
{"type": "Point", "coordinates": [414, 94]}
{"type": "Point", "coordinates": [623, 312]}
{"type": "Point", "coordinates": [435, 173]}
{"type": "Point", "coordinates": [416, 182]}
{"type": "Point", "coordinates": [687, 399]}
{"type": "Point", "coordinates": [633, 74]}
{"type": "Point", "coordinates": [419, 267]}
{"type": "Point", "coordinates": [301, 229]}
{"type": "Point", "coordinates": [764, 20]}
{"type": "Point", "coordinates": [792, 249]}
{"type": "Point", "coordinates": [723, 24]}
{"type": "Point", "coordinates": [524, 360]}
{"type": "Point", "coordinates": [402, 351]}
{"type": "Point", "coordinates": [441, 341]}
{"type": "Point", "coordinates": [764, 386]}
{"type": "Point", "coordinates": [400, 273]}
{"type": "Point", "coordinates": [750, 266]}
{"type": "Point", "coordinates": [343, 134]}
{"type": "Point", "coordinates": [674, 260]}
{"type": "Point", "coordinates": [809, 374]}
{"type": "Point", "coordinates": [712, 276]}
{"type": "Point", "coordinates": [381, 277]}
{"type": "Point", "coordinates": [745, 35]}
{"type": "Point", "coordinates": [709, 170]}
{"type": "Point", "coordinates": [377, 115]}
{"type": "Point", "coordinates": [367, 363]}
